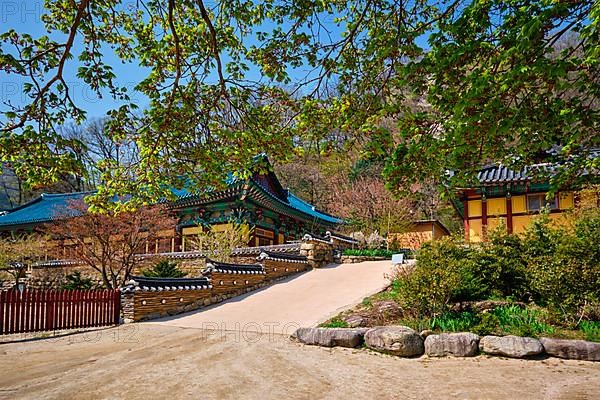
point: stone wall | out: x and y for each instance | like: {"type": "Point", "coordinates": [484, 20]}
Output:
{"type": "Point", "coordinates": [141, 304]}
{"type": "Point", "coordinates": [318, 252]}
{"type": "Point", "coordinates": [192, 267]}
{"type": "Point", "coordinates": [276, 269]}
{"type": "Point", "coordinates": [53, 276]}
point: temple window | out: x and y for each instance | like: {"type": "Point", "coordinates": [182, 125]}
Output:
{"type": "Point", "coordinates": [535, 202]}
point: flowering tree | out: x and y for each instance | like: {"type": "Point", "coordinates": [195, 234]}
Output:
{"type": "Point", "coordinates": [110, 243]}
{"type": "Point", "coordinates": [370, 207]}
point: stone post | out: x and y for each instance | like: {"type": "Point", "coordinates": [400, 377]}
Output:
{"type": "Point", "coordinates": [318, 252]}
{"type": "Point", "coordinates": [127, 300]}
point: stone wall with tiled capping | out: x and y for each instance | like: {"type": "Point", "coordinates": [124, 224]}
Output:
{"type": "Point", "coordinates": [318, 252]}
{"type": "Point", "coordinates": [143, 305]}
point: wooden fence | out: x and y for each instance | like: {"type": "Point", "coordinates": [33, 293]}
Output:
{"type": "Point", "coordinates": [47, 310]}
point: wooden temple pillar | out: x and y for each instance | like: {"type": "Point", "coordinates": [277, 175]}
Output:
{"type": "Point", "coordinates": [483, 217]}
{"type": "Point", "coordinates": [466, 217]}
{"type": "Point", "coordinates": [509, 218]}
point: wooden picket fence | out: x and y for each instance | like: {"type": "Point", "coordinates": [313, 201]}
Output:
{"type": "Point", "coordinates": [47, 310]}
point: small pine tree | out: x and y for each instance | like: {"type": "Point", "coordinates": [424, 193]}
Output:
{"type": "Point", "coordinates": [164, 269]}
{"type": "Point", "coordinates": [74, 281]}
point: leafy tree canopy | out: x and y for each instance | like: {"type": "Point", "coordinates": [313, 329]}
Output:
{"type": "Point", "coordinates": [464, 82]}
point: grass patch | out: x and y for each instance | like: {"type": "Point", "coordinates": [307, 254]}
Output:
{"type": "Point", "coordinates": [514, 320]}
{"type": "Point", "coordinates": [369, 252]}
{"type": "Point", "coordinates": [591, 330]}
{"type": "Point", "coordinates": [334, 323]}
{"type": "Point", "coordinates": [453, 322]}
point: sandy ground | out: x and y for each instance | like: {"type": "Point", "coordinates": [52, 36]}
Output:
{"type": "Point", "coordinates": [148, 361]}
{"type": "Point", "coordinates": [175, 359]}
{"type": "Point", "coordinates": [302, 300]}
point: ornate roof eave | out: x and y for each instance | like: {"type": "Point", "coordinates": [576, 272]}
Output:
{"type": "Point", "coordinates": [258, 197]}
{"type": "Point", "coordinates": [230, 193]}
{"type": "Point", "coordinates": [249, 190]}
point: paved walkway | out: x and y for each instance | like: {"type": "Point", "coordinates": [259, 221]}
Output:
{"type": "Point", "coordinates": [302, 300]}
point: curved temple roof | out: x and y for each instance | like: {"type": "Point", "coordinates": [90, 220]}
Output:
{"type": "Point", "coordinates": [45, 208]}
{"type": "Point", "coordinates": [48, 206]}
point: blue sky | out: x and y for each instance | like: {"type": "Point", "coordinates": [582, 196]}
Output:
{"type": "Point", "coordinates": [25, 17]}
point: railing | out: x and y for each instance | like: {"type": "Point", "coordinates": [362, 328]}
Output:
{"type": "Point", "coordinates": [47, 310]}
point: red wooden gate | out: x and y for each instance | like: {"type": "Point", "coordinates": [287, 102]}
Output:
{"type": "Point", "coordinates": [47, 310]}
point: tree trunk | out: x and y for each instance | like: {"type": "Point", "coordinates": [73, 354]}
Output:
{"type": "Point", "coordinates": [105, 279]}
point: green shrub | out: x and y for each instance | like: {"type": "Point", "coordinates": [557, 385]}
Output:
{"type": "Point", "coordinates": [164, 269]}
{"type": "Point", "coordinates": [519, 321]}
{"type": "Point", "coordinates": [557, 267]}
{"type": "Point", "coordinates": [369, 252]}
{"type": "Point", "coordinates": [428, 289]}
{"type": "Point", "coordinates": [591, 330]}
{"type": "Point", "coordinates": [564, 265]}
{"type": "Point", "coordinates": [488, 325]}
{"type": "Point", "coordinates": [501, 266]}
{"type": "Point", "coordinates": [74, 281]}
{"type": "Point", "coordinates": [454, 322]}
{"type": "Point", "coordinates": [335, 323]}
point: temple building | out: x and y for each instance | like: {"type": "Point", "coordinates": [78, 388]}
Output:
{"type": "Point", "coordinates": [507, 198]}
{"type": "Point", "coordinates": [417, 233]}
{"type": "Point", "coordinates": [277, 215]}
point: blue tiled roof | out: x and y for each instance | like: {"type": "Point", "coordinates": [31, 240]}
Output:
{"type": "Point", "coordinates": [307, 208]}
{"type": "Point", "coordinates": [46, 207]}
{"type": "Point", "coordinates": [42, 209]}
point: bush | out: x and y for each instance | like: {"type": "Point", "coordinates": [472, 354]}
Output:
{"type": "Point", "coordinates": [369, 252]}
{"type": "Point", "coordinates": [501, 265]}
{"type": "Point", "coordinates": [557, 267]}
{"type": "Point", "coordinates": [74, 281]}
{"type": "Point", "coordinates": [429, 287]}
{"type": "Point", "coordinates": [454, 322]}
{"type": "Point", "coordinates": [335, 323]}
{"type": "Point", "coordinates": [514, 320]}
{"type": "Point", "coordinates": [488, 325]}
{"type": "Point", "coordinates": [591, 330]}
{"type": "Point", "coordinates": [564, 265]}
{"type": "Point", "coordinates": [164, 269]}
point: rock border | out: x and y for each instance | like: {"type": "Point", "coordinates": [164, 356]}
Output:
{"type": "Point", "coordinates": [403, 341]}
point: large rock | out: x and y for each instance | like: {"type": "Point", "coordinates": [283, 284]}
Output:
{"type": "Point", "coordinates": [387, 309]}
{"type": "Point", "coordinates": [511, 346]}
{"type": "Point", "coordinates": [572, 349]}
{"type": "Point", "coordinates": [452, 344]}
{"type": "Point", "coordinates": [330, 337]}
{"type": "Point", "coordinates": [397, 340]}
{"type": "Point", "coordinates": [356, 320]}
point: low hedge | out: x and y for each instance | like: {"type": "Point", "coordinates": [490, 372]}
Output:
{"type": "Point", "coordinates": [369, 252]}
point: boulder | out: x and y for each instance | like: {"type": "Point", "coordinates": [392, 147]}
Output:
{"type": "Point", "coordinates": [426, 332]}
{"type": "Point", "coordinates": [452, 344]}
{"type": "Point", "coordinates": [387, 309]}
{"type": "Point", "coordinates": [356, 320]}
{"type": "Point", "coordinates": [397, 340]}
{"type": "Point", "coordinates": [572, 349]}
{"type": "Point", "coordinates": [330, 337]}
{"type": "Point", "coordinates": [511, 346]}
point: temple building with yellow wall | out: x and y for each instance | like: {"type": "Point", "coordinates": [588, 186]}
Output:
{"type": "Point", "coordinates": [507, 198]}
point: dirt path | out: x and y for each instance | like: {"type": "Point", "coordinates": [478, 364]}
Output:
{"type": "Point", "coordinates": [149, 361]}
{"type": "Point", "coordinates": [303, 300]}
